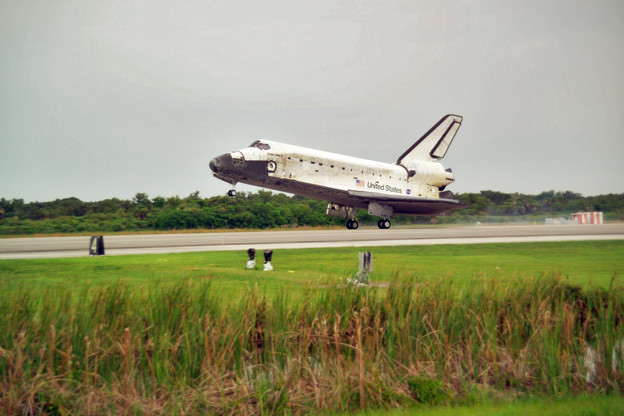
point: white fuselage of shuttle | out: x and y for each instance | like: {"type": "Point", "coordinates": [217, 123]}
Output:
{"type": "Point", "coordinates": [412, 185]}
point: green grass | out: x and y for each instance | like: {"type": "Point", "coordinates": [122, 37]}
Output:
{"type": "Point", "coordinates": [585, 405]}
{"type": "Point", "coordinates": [196, 333]}
{"type": "Point", "coordinates": [586, 263]}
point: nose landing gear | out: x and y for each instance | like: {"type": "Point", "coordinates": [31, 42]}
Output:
{"type": "Point", "coordinates": [232, 192]}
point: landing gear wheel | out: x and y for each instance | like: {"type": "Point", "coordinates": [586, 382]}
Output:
{"type": "Point", "coordinates": [384, 224]}
{"type": "Point", "coordinates": [352, 225]}
{"type": "Point", "coordinates": [232, 192]}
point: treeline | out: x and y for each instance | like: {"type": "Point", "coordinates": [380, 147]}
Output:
{"type": "Point", "coordinates": [265, 209]}
{"type": "Point", "coordinates": [254, 210]}
{"type": "Point", "coordinates": [547, 204]}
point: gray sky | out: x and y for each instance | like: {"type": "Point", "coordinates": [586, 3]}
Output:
{"type": "Point", "coordinates": [102, 99]}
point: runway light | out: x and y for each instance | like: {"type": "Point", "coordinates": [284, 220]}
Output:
{"type": "Point", "coordinates": [268, 254]}
{"type": "Point", "coordinates": [251, 264]}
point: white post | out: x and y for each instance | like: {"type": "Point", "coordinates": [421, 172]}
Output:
{"type": "Point", "coordinates": [366, 266]}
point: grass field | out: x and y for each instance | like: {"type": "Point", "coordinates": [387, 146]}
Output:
{"type": "Point", "coordinates": [583, 263]}
{"type": "Point", "coordinates": [196, 333]}
{"type": "Point", "coordinates": [586, 405]}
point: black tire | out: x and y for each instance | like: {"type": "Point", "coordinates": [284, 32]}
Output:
{"type": "Point", "coordinates": [384, 224]}
{"type": "Point", "coordinates": [232, 192]}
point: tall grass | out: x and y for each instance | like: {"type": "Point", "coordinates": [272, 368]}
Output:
{"type": "Point", "coordinates": [183, 348]}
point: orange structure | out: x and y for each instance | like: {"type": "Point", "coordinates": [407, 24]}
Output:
{"type": "Point", "coordinates": [592, 217]}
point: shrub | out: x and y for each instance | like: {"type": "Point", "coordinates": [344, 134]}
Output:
{"type": "Point", "coordinates": [426, 390]}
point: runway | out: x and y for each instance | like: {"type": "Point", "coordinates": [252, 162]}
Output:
{"type": "Point", "coordinates": [51, 247]}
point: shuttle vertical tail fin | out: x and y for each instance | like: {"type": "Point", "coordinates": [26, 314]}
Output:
{"type": "Point", "coordinates": [434, 144]}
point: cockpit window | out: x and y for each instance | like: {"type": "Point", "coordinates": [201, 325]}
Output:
{"type": "Point", "coordinates": [259, 145]}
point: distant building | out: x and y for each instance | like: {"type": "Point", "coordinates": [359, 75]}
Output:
{"type": "Point", "coordinates": [592, 217]}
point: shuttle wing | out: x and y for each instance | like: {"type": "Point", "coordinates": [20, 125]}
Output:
{"type": "Point", "coordinates": [409, 204]}
{"type": "Point", "coordinates": [434, 144]}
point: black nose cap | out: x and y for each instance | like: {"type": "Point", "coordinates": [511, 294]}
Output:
{"type": "Point", "coordinates": [220, 162]}
{"type": "Point", "coordinates": [214, 165]}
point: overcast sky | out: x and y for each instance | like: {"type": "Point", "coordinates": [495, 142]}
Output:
{"type": "Point", "coordinates": [102, 99]}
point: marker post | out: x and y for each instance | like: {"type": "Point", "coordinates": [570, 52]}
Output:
{"type": "Point", "coordinates": [366, 266]}
{"type": "Point", "coordinates": [96, 246]}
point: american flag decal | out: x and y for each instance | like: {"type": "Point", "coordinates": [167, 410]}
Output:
{"type": "Point", "coordinates": [360, 183]}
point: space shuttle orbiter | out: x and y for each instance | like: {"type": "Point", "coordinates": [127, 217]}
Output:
{"type": "Point", "coordinates": [414, 185]}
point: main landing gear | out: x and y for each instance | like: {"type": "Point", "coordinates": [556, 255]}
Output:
{"type": "Point", "coordinates": [232, 192]}
{"type": "Point", "coordinates": [352, 224]}
{"type": "Point", "coordinates": [384, 224]}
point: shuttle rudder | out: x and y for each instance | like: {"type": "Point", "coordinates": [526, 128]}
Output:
{"type": "Point", "coordinates": [434, 144]}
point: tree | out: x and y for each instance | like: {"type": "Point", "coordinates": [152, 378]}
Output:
{"type": "Point", "coordinates": [141, 198]}
{"type": "Point", "coordinates": [159, 202]}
